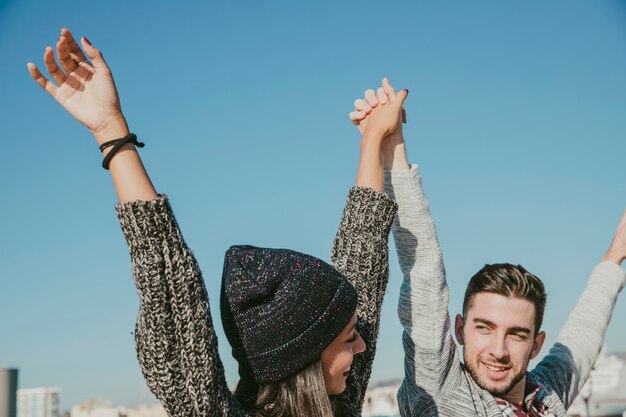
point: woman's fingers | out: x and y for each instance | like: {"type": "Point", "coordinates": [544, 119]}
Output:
{"type": "Point", "coordinates": [362, 105]}
{"type": "Point", "coordinates": [370, 96]}
{"type": "Point", "coordinates": [94, 55]}
{"type": "Point", "coordinates": [63, 52]}
{"type": "Point", "coordinates": [357, 116]}
{"type": "Point", "coordinates": [75, 52]}
{"type": "Point", "coordinates": [40, 79]}
{"type": "Point", "coordinates": [51, 65]}
{"type": "Point", "coordinates": [84, 70]}
{"type": "Point", "coordinates": [389, 90]}
{"type": "Point", "coordinates": [400, 97]}
{"type": "Point", "coordinates": [382, 96]}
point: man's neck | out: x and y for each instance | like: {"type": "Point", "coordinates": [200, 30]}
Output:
{"type": "Point", "coordinates": [516, 394]}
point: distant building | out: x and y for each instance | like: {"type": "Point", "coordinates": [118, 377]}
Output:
{"type": "Point", "coordinates": [95, 408]}
{"type": "Point", "coordinates": [146, 411]}
{"type": "Point", "coordinates": [38, 402]}
{"type": "Point", "coordinates": [604, 394]}
{"type": "Point", "coordinates": [104, 408]}
{"type": "Point", "coordinates": [8, 392]}
{"type": "Point", "coordinates": [380, 400]}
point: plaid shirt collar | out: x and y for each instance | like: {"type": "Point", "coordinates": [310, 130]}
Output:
{"type": "Point", "coordinates": [532, 406]}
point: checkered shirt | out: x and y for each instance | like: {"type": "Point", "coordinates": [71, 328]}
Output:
{"type": "Point", "coordinates": [531, 407]}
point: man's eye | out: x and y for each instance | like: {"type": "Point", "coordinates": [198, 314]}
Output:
{"type": "Point", "coordinates": [353, 337]}
{"type": "Point", "coordinates": [482, 329]}
{"type": "Point", "coordinates": [518, 336]}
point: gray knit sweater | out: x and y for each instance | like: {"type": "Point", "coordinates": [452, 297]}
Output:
{"type": "Point", "coordinates": [436, 382]}
{"type": "Point", "coordinates": [175, 338]}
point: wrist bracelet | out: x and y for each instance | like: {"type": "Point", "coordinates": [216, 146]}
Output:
{"type": "Point", "coordinates": [117, 145]}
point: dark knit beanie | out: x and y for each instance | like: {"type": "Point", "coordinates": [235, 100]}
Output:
{"type": "Point", "coordinates": [281, 309]}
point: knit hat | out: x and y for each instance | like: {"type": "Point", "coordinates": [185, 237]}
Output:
{"type": "Point", "coordinates": [281, 309]}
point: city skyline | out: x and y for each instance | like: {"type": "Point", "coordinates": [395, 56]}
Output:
{"type": "Point", "coordinates": [38, 402]}
{"type": "Point", "coordinates": [515, 116]}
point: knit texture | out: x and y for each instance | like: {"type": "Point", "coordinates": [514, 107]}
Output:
{"type": "Point", "coordinates": [281, 309]}
{"type": "Point", "coordinates": [436, 382]}
{"type": "Point", "coordinates": [175, 338]}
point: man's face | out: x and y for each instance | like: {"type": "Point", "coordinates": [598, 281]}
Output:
{"type": "Point", "coordinates": [498, 338]}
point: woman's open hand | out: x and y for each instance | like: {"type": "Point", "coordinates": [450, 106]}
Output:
{"type": "Point", "coordinates": [85, 89]}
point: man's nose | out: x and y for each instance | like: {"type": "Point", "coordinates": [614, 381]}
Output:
{"type": "Point", "coordinates": [498, 349]}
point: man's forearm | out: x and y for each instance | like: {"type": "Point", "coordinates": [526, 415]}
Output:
{"type": "Point", "coordinates": [423, 305]}
{"type": "Point", "coordinates": [394, 153]}
{"type": "Point", "coordinates": [570, 360]}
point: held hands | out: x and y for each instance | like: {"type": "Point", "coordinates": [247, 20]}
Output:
{"type": "Point", "coordinates": [379, 119]}
{"type": "Point", "coordinates": [380, 113]}
{"type": "Point", "coordinates": [365, 118]}
{"type": "Point", "coordinates": [86, 90]}
{"type": "Point", "coordinates": [617, 250]}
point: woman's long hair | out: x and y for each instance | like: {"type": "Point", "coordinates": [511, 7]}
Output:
{"type": "Point", "coordinates": [303, 394]}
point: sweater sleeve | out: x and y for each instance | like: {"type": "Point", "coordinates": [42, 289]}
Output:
{"type": "Point", "coordinates": [175, 338]}
{"type": "Point", "coordinates": [567, 366]}
{"type": "Point", "coordinates": [430, 351]}
{"type": "Point", "coordinates": [360, 252]}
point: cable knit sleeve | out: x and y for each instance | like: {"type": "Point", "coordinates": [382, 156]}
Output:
{"type": "Point", "coordinates": [360, 253]}
{"type": "Point", "coordinates": [175, 338]}
{"type": "Point", "coordinates": [430, 352]}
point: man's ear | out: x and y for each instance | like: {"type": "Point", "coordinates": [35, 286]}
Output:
{"type": "Point", "coordinates": [537, 344]}
{"type": "Point", "coordinates": [458, 328]}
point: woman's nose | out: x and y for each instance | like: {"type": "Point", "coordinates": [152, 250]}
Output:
{"type": "Point", "coordinates": [360, 346]}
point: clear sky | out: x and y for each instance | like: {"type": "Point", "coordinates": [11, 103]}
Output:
{"type": "Point", "coordinates": [516, 117]}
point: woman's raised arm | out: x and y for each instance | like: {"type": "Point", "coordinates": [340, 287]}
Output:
{"type": "Point", "coordinates": [384, 119]}
{"type": "Point", "coordinates": [175, 339]}
{"type": "Point", "coordinates": [87, 91]}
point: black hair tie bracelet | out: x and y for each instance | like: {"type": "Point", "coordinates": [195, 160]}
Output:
{"type": "Point", "coordinates": [117, 144]}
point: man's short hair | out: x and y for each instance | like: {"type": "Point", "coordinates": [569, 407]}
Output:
{"type": "Point", "coordinates": [510, 281]}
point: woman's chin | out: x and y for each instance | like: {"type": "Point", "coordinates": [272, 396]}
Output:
{"type": "Point", "coordinates": [338, 388]}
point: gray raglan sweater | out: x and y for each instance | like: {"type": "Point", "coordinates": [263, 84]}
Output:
{"type": "Point", "coordinates": [436, 382]}
{"type": "Point", "coordinates": [175, 338]}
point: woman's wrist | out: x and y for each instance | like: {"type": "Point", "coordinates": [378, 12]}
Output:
{"type": "Point", "coordinates": [372, 137]}
{"type": "Point", "coordinates": [114, 128]}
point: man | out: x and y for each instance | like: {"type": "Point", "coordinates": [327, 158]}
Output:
{"type": "Point", "coordinates": [500, 329]}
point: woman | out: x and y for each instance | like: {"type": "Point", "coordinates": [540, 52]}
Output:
{"type": "Point", "coordinates": [303, 338]}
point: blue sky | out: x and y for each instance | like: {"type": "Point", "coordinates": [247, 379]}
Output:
{"type": "Point", "coordinates": [516, 117]}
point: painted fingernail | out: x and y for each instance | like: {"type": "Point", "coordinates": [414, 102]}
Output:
{"type": "Point", "coordinates": [407, 91]}
{"type": "Point", "coordinates": [87, 41]}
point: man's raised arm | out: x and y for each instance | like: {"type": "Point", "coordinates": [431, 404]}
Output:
{"type": "Point", "coordinates": [570, 360]}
